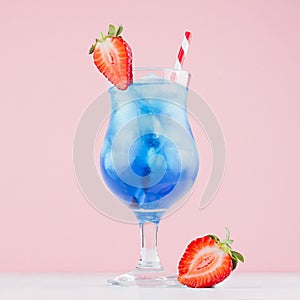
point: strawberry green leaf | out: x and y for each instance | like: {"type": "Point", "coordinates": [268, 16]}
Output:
{"type": "Point", "coordinates": [92, 48]}
{"type": "Point", "coordinates": [227, 240]}
{"type": "Point", "coordinates": [214, 237]}
{"type": "Point", "coordinates": [238, 256]}
{"type": "Point", "coordinates": [227, 233]}
{"type": "Point", "coordinates": [234, 263]}
{"type": "Point", "coordinates": [111, 30]}
{"type": "Point", "coordinates": [119, 30]}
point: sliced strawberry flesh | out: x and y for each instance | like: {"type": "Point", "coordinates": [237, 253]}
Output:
{"type": "Point", "coordinates": [205, 261]}
{"type": "Point", "coordinates": [113, 58]}
{"type": "Point", "coordinates": [204, 264]}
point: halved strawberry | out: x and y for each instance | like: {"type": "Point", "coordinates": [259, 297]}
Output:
{"type": "Point", "coordinates": [113, 57]}
{"type": "Point", "coordinates": [207, 261]}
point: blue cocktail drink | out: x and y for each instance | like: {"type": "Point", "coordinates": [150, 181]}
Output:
{"type": "Point", "coordinates": [149, 159]}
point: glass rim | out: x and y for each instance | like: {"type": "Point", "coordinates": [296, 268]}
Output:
{"type": "Point", "coordinates": [161, 69]}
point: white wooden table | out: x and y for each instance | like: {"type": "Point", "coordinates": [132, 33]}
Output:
{"type": "Point", "coordinates": [90, 286]}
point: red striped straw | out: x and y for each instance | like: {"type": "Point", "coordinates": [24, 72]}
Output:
{"type": "Point", "coordinates": [183, 50]}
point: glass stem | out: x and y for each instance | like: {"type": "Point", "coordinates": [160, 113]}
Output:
{"type": "Point", "coordinates": [148, 253]}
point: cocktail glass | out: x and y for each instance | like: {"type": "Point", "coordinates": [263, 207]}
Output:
{"type": "Point", "coordinates": [149, 159]}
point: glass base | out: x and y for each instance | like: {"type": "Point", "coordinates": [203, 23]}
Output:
{"type": "Point", "coordinates": [146, 278]}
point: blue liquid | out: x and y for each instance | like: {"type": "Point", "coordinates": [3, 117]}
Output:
{"type": "Point", "coordinates": [149, 159]}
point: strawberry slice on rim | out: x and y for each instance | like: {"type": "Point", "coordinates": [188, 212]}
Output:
{"type": "Point", "coordinates": [113, 57]}
{"type": "Point", "coordinates": [207, 261]}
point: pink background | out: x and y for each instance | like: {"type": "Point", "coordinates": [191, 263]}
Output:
{"type": "Point", "coordinates": [244, 60]}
